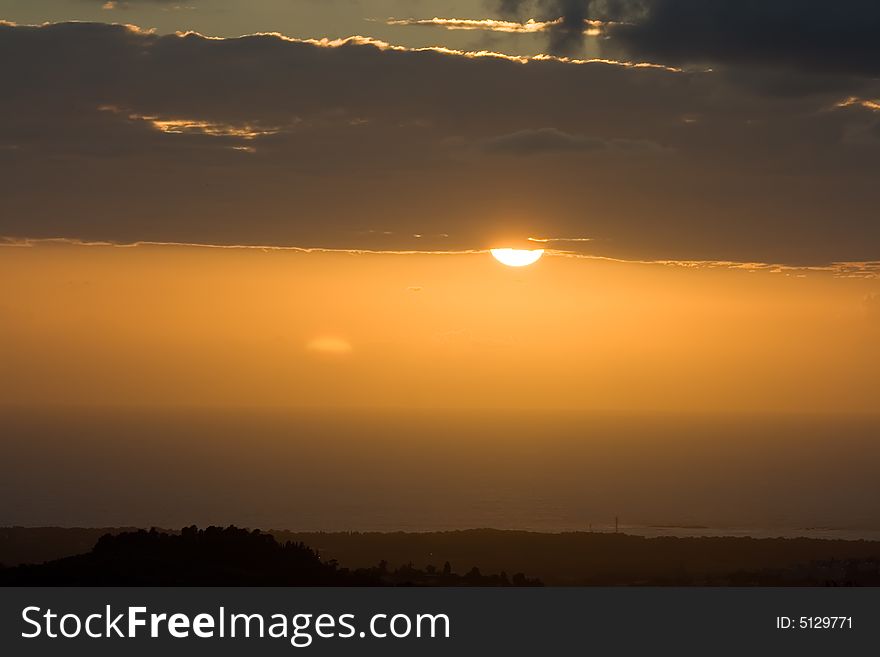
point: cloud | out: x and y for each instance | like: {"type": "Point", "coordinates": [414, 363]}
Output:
{"type": "Point", "coordinates": [810, 35]}
{"type": "Point", "coordinates": [551, 140]}
{"type": "Point", "coordinates": [859, 270]}
{"type": "Point", "coordinates": [567, 21]}
{"type": "Point", "coordinates": [110, 5]}
{"type": "Point", "coordinates": [864, 103]}
{"type": "Point", "coordinates": [190, 126]}
{"type": "Point", "coordinates": [530, 26]}
{"type": "Point", "coordinates": [118, 134]}
{"type": "Point", "coordinates": [560, 239]}
{"type": "Point", "coordinates": [813, 37]}
{"type": "Point", "coordinates": [543, 140]}
{"type": "Point", "coordinates": [30, 242]}
{"type": "Point", "coordinates": [487, 24]}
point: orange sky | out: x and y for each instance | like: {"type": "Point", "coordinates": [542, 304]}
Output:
{"type": "Point", "coordinates": [180, 326]}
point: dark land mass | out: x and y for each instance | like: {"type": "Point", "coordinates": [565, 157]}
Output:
{"type": "Point", "coordinates": [225, 557]}
{"type": "Point", "coordinates": [612, 559]}
{"type": "Point", "coordinates": [566, 559]}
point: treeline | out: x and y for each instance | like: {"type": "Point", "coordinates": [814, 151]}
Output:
{"type": "Point", "coordinates": [228, 556]}
{"type": "Point", "coordinates": [575, 558]}
{"type": "Point", "coordinates": [607, 559]}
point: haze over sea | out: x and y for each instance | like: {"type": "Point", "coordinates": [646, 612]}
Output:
{"type": "Point", "coordinates": [759, 475]}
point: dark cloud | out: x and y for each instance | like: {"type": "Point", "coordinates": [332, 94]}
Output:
{"type": "Point", "coordinates": [812, 36]}
{"type": "Point", "coordinates": [551, 140]}
{"type": "Point", "coordinates": [815, 36]}
{"type": "Point", "coordinates": [565, 37]}
{"type": "Point", "coordinates": [112, 133]}
{"type": "Point", "coordinates": [543, 140]}
{"type": "Point", "coordinates": [128, 4]}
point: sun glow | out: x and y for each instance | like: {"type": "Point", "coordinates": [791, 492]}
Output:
{"type": "Point", "coordinates": [517, 257]}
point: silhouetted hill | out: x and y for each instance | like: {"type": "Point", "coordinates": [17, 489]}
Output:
{"type": "Point", "coordinates": [224, 557]}
{"type": "Point", "coordinates": [576, 558]}
{"type": "Point", "coordinates": [20, 545]}
{"type": "Point", "coordinates": [599, 559]}
{"type": "Point", "coordinates": [209, 557]}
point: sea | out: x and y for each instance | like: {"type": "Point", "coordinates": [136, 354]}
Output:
{"type": "Point", "coordinates": [391, 470]}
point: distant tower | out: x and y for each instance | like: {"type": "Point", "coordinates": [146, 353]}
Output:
{"type": "Point", "coordinates": [616, 525]}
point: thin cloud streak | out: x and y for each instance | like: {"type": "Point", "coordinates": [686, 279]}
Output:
{"type": "Point", "coordinates": [544, 240]}
{"type": "Point", "coordinates": [863, 269]}
{"type": "Point", "coordinates": [27, 242]}
{"type": "Point", "coordinates": [189, 126]}
{"type": "Point", "coordinates": [360, 40]}
{"type": "Point", "coordinates": [864, 103]}
{"type": "Point", "coordinates": [531, 26]}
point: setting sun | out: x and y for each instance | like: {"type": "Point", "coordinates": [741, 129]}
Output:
{"type": "Point", "coordinates": [517, 257]}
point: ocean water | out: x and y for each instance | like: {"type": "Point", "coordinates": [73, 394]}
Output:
{"type": "Point", "coordinates": [758, 475]}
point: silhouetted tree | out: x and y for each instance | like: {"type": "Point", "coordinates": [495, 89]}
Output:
{"type": "Point", "coordinates": [219, 557]}
{"type": "Point", "coordinates": [209, 557]}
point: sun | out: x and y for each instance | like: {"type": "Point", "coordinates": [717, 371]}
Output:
{"type": "Point", "coordinates": [517, 257]}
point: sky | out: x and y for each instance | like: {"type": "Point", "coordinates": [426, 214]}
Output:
{"type": "Point", "coordinates": [246, 245]}
{"type": "Point", "coordinates": [166, 326]}
{"type": "Point", "coordinates": [701, 175]}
